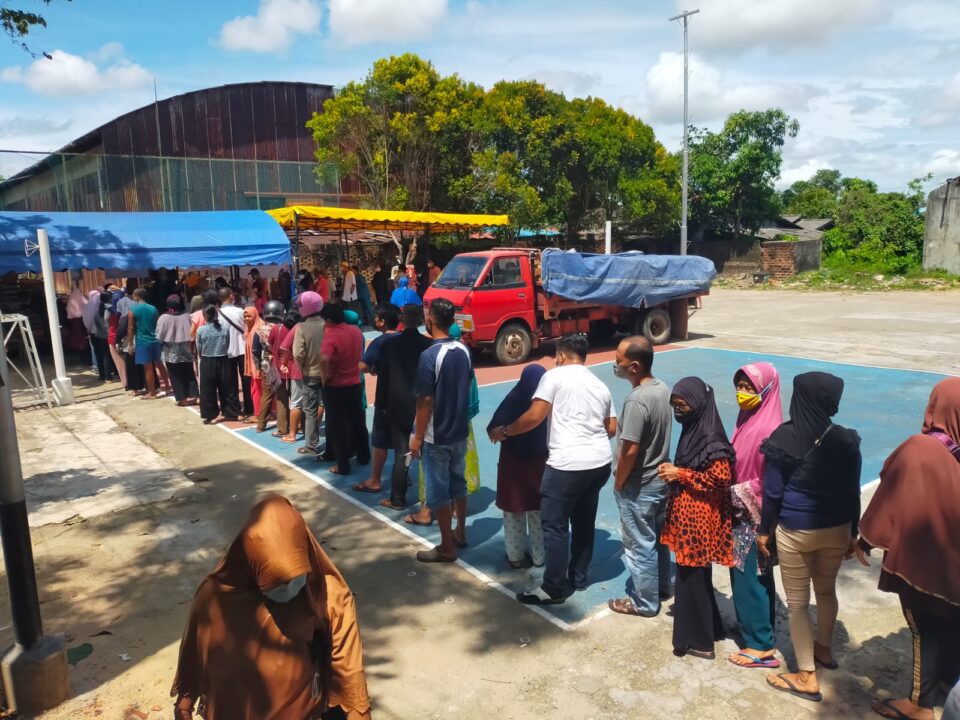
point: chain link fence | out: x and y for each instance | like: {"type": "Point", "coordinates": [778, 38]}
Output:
{"type": "Point", "coordinates": [138, 183]}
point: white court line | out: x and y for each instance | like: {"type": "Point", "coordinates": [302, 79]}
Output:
{"type": "Point", "coordinates": [479, 574]}
{"type": "Point", "coordinates": [805, 357]}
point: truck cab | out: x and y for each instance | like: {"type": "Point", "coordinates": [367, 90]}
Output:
{"type": "Point", "coordinates": [492, 291]}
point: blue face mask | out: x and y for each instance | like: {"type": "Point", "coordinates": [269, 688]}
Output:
{"type": "Point", "coordinates": [286, 593]}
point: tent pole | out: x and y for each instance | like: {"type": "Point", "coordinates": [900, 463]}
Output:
{"type": "Point", "coordinates": [62, 385]}
{"type": "Point", "coordinates": [295, 275]}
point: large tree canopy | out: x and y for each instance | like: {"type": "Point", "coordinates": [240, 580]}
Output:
{"type": "Point", "coordinates": [732, 171]}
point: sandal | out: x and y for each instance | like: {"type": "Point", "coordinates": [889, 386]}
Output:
{"type": "Point", "coordinates": [434, 556]}
{"type": "Point", "coordinates": [769, 662]}
{"type": "Point", "coordinates": [879, 706]}
{"type": "Point", "coordinates": [306, 451]}
{"type": "Point", "coordinates": [360, 487]}
{"type": "Point", "coordinates": [388, 503]}
{"type": "Point", "coordinates": [411, 520]}
{"type": "Point", "coordinates": [794, 690]}
{"type": "Point", "coordinates": [625, 606]}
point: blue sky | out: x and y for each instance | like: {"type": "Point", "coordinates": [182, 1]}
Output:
{"type": "Point", "coordinates": [875, 84]}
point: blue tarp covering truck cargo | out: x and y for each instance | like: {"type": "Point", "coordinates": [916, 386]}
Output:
{"type": "Point", "coordinates": [143, 241]}
{"type": "Point", "coordinates": [629, 279]}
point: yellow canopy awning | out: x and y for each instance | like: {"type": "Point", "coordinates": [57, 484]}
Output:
{"type": "Point", "coordinates": [334, 219]}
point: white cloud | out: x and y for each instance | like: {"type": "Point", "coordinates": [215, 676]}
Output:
{"type": "Point", "coordinates": [358, 22]}
{"type": "Point", "coordinates": [943, 164]}
{"type": "Point", "coordinates": [66, 74]}
{"type": "Point", "coordinates": [792, 174]}
{"type": "Point", "coordinates": [569, 82]}
{"type": "Point", "coordinates": [940, 104]}
{"type": "Point", "coordinates": [933, 19]}
{"type": "Point", "coordinates": [712, 95]}
{"type": "Point", "coordinates": [740, 25]}
{"type": "Point", "coordinates": [273, 27]}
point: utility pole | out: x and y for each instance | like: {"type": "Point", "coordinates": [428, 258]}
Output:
{"type": "Point", "coordinates": [685, 16]}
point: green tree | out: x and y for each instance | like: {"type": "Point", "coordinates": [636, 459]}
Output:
{"type": "Point", "coordinates": [823, 179]}
{"type": "Point", "coordinates": [732, 171]}
{"type": "Point", "coordinates": [17, 23]}
{"type": "Point", "coordinates": [814, 202]}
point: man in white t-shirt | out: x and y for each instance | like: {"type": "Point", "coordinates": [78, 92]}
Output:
{"type": "Point", "coordinates": [349, 295]}
{"type": "Point", "coordinates": [582, 421]}
{"type": "Point", "coordinates": [232, 317]}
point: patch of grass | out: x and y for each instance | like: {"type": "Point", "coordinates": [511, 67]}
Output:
{"type": "Point", "coordinates": [847, 278]}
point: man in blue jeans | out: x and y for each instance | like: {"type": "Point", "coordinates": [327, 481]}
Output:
{"type": "Point", "coordinates": [643, 443]}
{"type": "Point", "coordinates": [440, 429]}
{"type": "Point", "coordinates": [582, 421]}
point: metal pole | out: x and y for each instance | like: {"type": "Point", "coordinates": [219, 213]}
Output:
{"type": "Point", "coordinates": [62, 385]}
{"type": "Point", "coordinates": [685, 16]}
{"type": "Point", "coordinates": [608, 237]}
{"type": "Point", "coordinates": [14, 527]}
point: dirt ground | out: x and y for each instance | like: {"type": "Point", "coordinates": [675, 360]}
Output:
{"type": "Point", "coordinates": [438, 643]}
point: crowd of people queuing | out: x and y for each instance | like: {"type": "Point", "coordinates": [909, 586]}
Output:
{"type": "Point", "coordinates": [772, 493]}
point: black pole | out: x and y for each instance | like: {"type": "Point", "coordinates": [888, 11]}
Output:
{"type": "Point", "coordinates": [14, 526]}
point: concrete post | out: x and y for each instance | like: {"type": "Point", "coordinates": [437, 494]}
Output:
{"type": "Point", "coordinates": [61, 384]}
{"type": "Point", "coordinates": [608, 238]}
{"type": "Point", "coordinates": [34, 671]}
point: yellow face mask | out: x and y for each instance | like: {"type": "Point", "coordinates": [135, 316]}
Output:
{"type": "Point", "coordinates": [748, 401]}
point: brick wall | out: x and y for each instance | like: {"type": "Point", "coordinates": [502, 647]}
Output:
{"type": "Point", "coordinates": [783, 259]}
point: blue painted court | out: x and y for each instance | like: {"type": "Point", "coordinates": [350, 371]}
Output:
{"type": "Point", "coordinates": [883, 405]}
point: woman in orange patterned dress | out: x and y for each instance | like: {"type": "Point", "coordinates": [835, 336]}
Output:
{"type": "Point", "coordinates": [699, 524]}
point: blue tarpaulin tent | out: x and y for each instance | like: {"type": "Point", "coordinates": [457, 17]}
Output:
{"type": "Point", "coordinates": [143, 241]}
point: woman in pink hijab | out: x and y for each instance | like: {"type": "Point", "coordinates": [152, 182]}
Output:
{"type": "Point", "coordinates": [758, 395]}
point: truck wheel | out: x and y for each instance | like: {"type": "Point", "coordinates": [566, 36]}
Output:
{"type": "Point", "coordinates": [513, 344]}
{"type": "Point", "coordinates": [655, 326]}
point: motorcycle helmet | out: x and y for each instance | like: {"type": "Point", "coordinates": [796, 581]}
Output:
{"type": "Point", "coordinates": [273, 311]}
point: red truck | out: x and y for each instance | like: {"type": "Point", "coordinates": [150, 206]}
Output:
{"type": "Point", "coordinates": [502, 306]}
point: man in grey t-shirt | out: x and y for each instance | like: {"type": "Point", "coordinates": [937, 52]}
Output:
{"type": "Point", "coordinates": [643, 443]}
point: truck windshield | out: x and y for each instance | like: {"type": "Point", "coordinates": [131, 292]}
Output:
{"type": "Point", "coordinates": [461, 272]}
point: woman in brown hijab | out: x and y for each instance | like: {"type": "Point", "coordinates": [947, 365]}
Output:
{"type": "Point", "coordinates": [273, 633]}
{"type": "Point", "coordinates": [914, 518]}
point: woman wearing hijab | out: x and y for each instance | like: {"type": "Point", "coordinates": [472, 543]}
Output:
{"type": "Point", "coordinates": [113, 324]}
{"type": "Point", "coordinates": [272, 634]}
{"type": "Point", "coordinates": [251, 368]}
{"type": "Point", "coordinates": [218, 373]}
{"type": "Point", "coordinates": [754, 594]}
{"type": "Point", "coordinates": [88, 315]}
{"type": "Point", "coordinates": [403, 295]}
{"type": "Point", "coordinates": [811, 501]}
{"type": "Point", "coordinates": [698, 526]}
{"type": "Point", "coordinates": [913, 517]}
{"type": "Point", "coordinates": [173, 330]}
{"type": "Point", "coordinates": [523, 459]}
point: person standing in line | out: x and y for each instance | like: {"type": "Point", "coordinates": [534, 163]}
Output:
{"type": "Point", "coordinates": [173, 331]}
{"type": "Point", "coordinates": [381, 284]}
{"type": "Point", "coordinates": [811, 500]}
{"type": "Point", "coordinates": [519, 473]}
{"type": "Point", "coordinates": [699, 523]}
{"type": "Point", "coordinates": [91, 307]}
{"type": "Point", "coordinates": [348, 293]}
{"type": "Point", "coordinates": [113, 325]}
{"type": "Point", "coordinates": [290, 371]}
{"type": "Point", "coordinates": [307, 341]}
{"type": "Point", "coordinates": [252, 325]}
{"type": "Point", "coordinates": [433, 272]}
{"type": "Point", "coordinates": [99, 335]}
{"type": "Point", "coordinates": [914, 517]}
{"type": "Point", "coordinates": [266, 352]}
{"type": "Point", "coordinates": [397, 371]}
{"type": "Point", "coordinates": [387, 318]}
{"type": "Point", "coordinates": [232, 317]}
{"type": "Point", "coordinates": [142, 339]}
{"type": "Point", "coordinates": [218, 373]}
{"type": "Point", "coordinates": [363, 297]}
{"type": "Point", "coordinates": [340, 354]}
{"type": "Point", "coordinates": [754, 594]}
{"type": "Point", "coordinates": [643, 444]}
{"type": "Point", "coordinates": [441, 427]}
{"type": "Point", "coordinates": [582, 421]}
{"type": "Point", "coordinates": [403, 295]}
{"type": "Point", "coordinates": [320, 285]}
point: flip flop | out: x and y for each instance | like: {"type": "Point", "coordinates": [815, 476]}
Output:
{"type": "Point", "coordinates": [832, 665]}
{"type": "Point", "coordinates": [538, 597]}
{"type": "Point", "coordinates": [411, 520]}
{"type": "Point", "coordinates": [277, 434]}
{"type": "Point", "coordinates": [887, 704]}
{"type": "Point", "coordinates": [756, 662]}
{"type": "Point", "coordinates": [388, 503]}
{"type": "Point", "coordinates": [287, 440]}
{"type": "Point", "coordinates": [360, 487]}
{"type": "Point", "coordinates": [434, 556]}
{"type": "Point", "coordinates": [306, 451]}
{"type": "Point", "coordinates": [796, 692]}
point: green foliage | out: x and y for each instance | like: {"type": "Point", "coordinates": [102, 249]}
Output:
{"type": "Point", "coordinates": [17, 24]}
{"type": "Point", "coordinates": [732, 171]}
{"type": "Point", "coordinates": [813, 202]}
{"type": "Point", "coordinates": [417, 140]}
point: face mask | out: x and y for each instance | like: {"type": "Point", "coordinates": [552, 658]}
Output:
{"type": "Point", "coordinates": [286, 593]}
{"type": "Point", "coordinates": [682, 415]}
{"type": "Point", "coordinates": [621, 371]}
{"type": "Point", "coordinates": [748, 401]}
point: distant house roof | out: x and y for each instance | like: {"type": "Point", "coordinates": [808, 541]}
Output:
{"type": "Point", "coordinates": [795, 226]}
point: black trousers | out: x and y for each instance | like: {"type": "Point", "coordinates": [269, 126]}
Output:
{"type": "Point", "coordinates": [183, 379]}
{"type": "Point", "coordinates": [136, 379]}
{"type": "Point", "coordinates": [102, 354]}
{"type": "Point", "coordinates": [218, 388]}
{"type": "Point", "coordinates": [400, 475]}
{"type": "Point", "coordinates": [936, 653]}
{"type": "Point", "coordinates": [244, 383]}
{"type": "Point", "coordinates": [568, 508]}
{"type": "Point", "coordinates": [346, 425]}
{"type": "Point", "coordinates": [696, 617]}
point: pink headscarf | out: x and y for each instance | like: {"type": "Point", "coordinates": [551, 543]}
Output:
{"type": "Point", "coordinates": [755, 426]}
